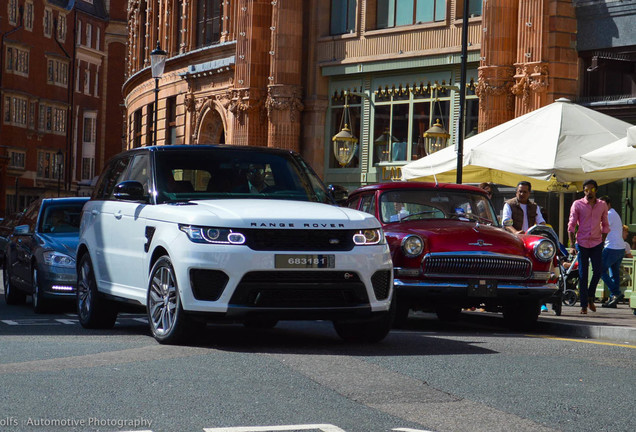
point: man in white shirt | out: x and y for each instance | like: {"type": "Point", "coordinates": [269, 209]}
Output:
{"type": "Point", "coordinates": [519, 213]}
{"type": "Point", "coordinates": [613, 254]}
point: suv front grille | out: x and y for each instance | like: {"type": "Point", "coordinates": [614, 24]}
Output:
{"type": "Point", "coordinates": [467, 266]}
{"type": "Point", "coordinates": [207, 284]}
{"type": "Point", "coordinates": [299, 240]}
{"type": "Point", "coordinates": [300, 289]}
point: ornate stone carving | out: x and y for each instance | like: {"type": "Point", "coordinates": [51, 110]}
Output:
{"type": "Point", "coordinates": [530, 77]}
{"type": "Point", "coordinates": [496, 81]}
{"type": "Point", "coordinates": [284, 98]}
{"type": "Point", "coordinates": [245, 100]}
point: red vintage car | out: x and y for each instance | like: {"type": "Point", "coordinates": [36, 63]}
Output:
{"type": "Point", "coordinates": [450, 252]}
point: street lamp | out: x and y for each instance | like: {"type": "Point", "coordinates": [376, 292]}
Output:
{"type": "Point", "coordinates": [157, 64]}
{"type": "Point", "coordinates": [59, 161]}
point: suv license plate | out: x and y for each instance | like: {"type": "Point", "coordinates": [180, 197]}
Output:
{"type": "Point", "coordinates": [305, 261]}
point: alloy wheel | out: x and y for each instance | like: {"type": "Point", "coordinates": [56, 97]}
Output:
{"type": "Point", "coordinates": [163, 301]}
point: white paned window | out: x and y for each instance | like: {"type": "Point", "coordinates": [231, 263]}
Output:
{"type": "Point", "coordinates": [28, 15]}
{"type": "Point", "coordinates": [17, 159]}
{"type": "Point", "coordinates": [47, 21]}
{"type": "Point", "coordinates": [89, 35]}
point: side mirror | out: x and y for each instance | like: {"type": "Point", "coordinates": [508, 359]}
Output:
{"type": "Point", "coordinates": [21, 230]}
{"type": "Point", "coordinates": [129, 190]}
{"type": "Point", "coordinates": [339, 193]}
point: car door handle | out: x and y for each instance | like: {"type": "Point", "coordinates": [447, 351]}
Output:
{"type": "Point", "coordinates": [94, 212]}
{"type": "Point", "coordinates": [118, 214]}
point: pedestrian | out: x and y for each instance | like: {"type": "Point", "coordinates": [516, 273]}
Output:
{"type": "Point", "coordinates": [628, 248]}
{"type": "Point", "coordinates": [489, 188]}
{"type": "Point", "coordinates": [613, 254]}
{"type": "Point", "coordinates": [590, 216]}
{"type": "Point", "coordinates": [519, 213]}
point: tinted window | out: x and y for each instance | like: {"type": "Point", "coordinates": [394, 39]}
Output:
{"type": "Point", "coordinates": [140, 170]}
{"type": "Point", "coordinates": [368, 204]}
{"type": "Point", "coordinates": [113, 174]}
{"type": "Point", "coordinates": [58, 219]}
{"type": "Point", "coordinates": [225, 173]}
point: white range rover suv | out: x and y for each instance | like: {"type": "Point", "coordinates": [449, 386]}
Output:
{"type": "Point", "coordinates": [247, 234]}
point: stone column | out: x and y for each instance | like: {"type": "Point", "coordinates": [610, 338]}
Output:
{"type": "Point", "coordinates": [498, 55]}
{"type": "Point", "coordinates": [247, 98]}
{"type": "Point", "coordinates": [284, 92]}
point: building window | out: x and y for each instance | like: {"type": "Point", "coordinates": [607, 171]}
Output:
{"type": "Point", "coordinates": [150, 115]}
{"type": "Point", "coordinates": [208, 22]}
{"type": "Point", "coordinates": [96, 85]}
{"type": "Point", "coordinates": [17, 159]}
{"type": "Point", "coordinates": [47, 22]}
{"type": "Point", "coordinates": [393, 13]}
{"type": "Point", "coordinates": [88, 168]}
{"type": "Point", "coordinates": [47, 168]}
{"type": "Point", "coordinates": [12, 9]}
{"type": "Point", "coordinates": [137, 128]}
{"type": "Point", "coordinates": [31, 119]}
{"type": "Point", "coordinates": [171, 120]}
{"type": "Point", "coordinates": [17, 61]}
{"type": "Point", "coordinates": [178, 26]}
{"type": "Point", "coordinates": [89, 129]}
{"type": "Point", "coordinates": [98, 37]}
{"type": "Point", "coordinates": [28, 15]}
{"type": "Point", "coordinates": [89, 35]}
{"type": "Point", "coordinates": [87, 80]}
{"type": "Point", "coordinates": [61, 27]}
{"type": "Point", "coordinates": [57, 72]}
{"type": "Point", "coordinates": [52, 119]}
{"type": "Point", "coordinates": [15, 111]}
{"type": "Point", "coordinates": [79, 32]}
{"type": "Point", "coordinates": [474, 9]}
{"type": "Point", "coordinates": [343, 16]}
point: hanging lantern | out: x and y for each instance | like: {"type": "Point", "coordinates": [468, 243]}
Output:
{"type": "Point", "coordinates": [383, 145]}
{"type": "Point", "coordinates": [436, 138]}
{"type": "Point", "coordinates": [345, 144]}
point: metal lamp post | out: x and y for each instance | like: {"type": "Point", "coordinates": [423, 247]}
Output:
{"type": "Point", "coordinates": [59, 162]}
{"type": "Point", "coordinates": [157, 64]}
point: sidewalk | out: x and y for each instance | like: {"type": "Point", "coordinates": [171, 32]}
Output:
{"type": "Point", "coordinates": [618, 325]}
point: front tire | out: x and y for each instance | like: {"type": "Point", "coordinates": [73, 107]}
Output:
{"type": "Point", "coordinates": [11, 295]}
{"type": "Point", "coordinates": [94, 311]}
{"type": "Point", "coordinates": [168, 322]}
{"type": "Point", "coordinates": [40, 304]}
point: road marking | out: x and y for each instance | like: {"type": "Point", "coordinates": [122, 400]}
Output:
{"type": "Point", "coordinates": [317, 427]}
{"type": "Point", "coordinates": [9, 322]}
{"type": "Point", "coordinates": [625, 345]}
{"type": "Point", "coordinates": [410, 430]}
{"type": "Point", "coordinates": [67, 321]}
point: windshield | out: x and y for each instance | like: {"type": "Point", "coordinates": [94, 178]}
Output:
{"type": "Point", "coordinates": [62, 219]}
{"type": "Point", "coordinates": [408, 205]}
{"type": "Point", "coordinates": [224, 173]}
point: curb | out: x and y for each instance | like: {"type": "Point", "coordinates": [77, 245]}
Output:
{"type": "Point", "coordinates": [600, 332]}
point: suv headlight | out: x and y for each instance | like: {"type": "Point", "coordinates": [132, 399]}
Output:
{"type": "Point", "coordinates": [369, 237]}
{"type": "Point", "coordinates": [212, 235]}
{"type": "Point", "coordinates": [58, 259]}
{"type": "Point", "coordinates": [412, 246]}
{"type": "Point", "coordinates": [544, 250]}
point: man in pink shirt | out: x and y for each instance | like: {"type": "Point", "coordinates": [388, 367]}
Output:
{"type": "Point", "coordinates": [590, 215]}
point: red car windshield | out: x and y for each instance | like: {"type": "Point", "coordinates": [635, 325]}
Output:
{"type": "Point", "coordinates": [420, 204]}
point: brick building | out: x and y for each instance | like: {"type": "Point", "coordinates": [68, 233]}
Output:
{"type": "Point", "coordinates": [58, 92]}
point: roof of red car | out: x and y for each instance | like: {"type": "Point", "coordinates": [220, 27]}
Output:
{"type": "Point", "coordinates": [419, 185]}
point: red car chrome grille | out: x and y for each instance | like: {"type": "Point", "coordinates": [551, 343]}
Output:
{"type": "Point", "coordinates": [479, 266]}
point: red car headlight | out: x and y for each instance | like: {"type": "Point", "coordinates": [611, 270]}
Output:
{"type": "Point", "coordinates": [412, 246]}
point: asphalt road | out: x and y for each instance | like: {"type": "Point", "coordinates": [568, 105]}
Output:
{"type": "Point", "coordinates": [467, 376]}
